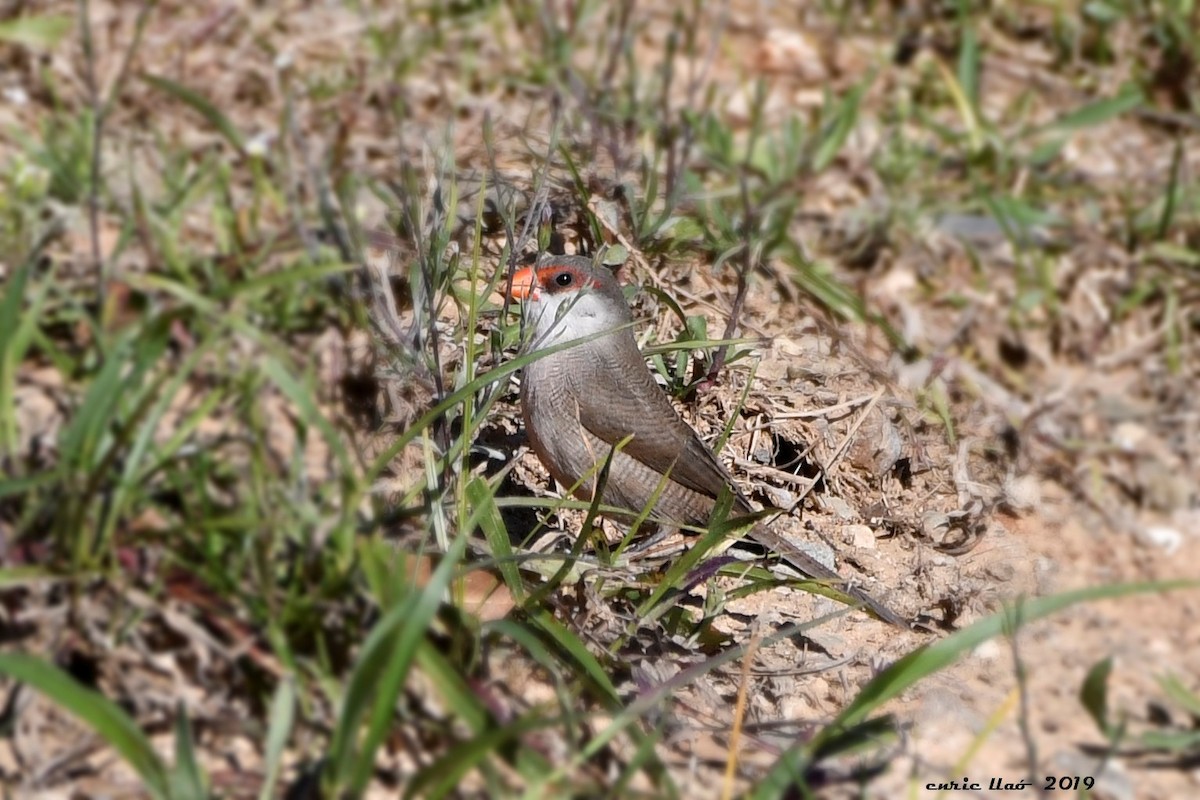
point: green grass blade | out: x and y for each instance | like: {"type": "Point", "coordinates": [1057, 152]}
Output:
{"type": "Point", "coordinates": [442, 777]}
{"type": "Point", "coordinates": [930, 659]}
{"type": "Point", "coordinates": [203, 106]}
{"type": "Point", "coordinates": [282, 718]}
{"type": "Point", "coordinates": [454, 690]}
{"type": "Point", "coordinates": [43, 31]}
{"type": "Point", "coordinates": [969, 59]}
{"type": "Point", "coordinates": [571, 645]}
{"type": "Point", "coordinates": [98, 712]}
{"type": "Point", "coordinates": [378, 678]}
{"type": "Point", "coordinates": [186, 778]}
{"type": "Point", "coordinates": [1090, 115]}
{"type": "Point", "coordinates": [81, 442]}
{"type": "Point", "coordinates": [16, 486]}
{"type": "Point", "coordinates": [837, 130]}
{"type": "Point", "coordinates": [1093, 695]}
{"type": "Point", "coordinates": [680, 567]}
{"type": "Point", "coordinates": [303, 398]}
{"type": "Point", "coordinates": [16, 332]}
{"type": "Point", "coordinates": [1173, 687]}
{"type": "Point", "coordinates": [481, 497]}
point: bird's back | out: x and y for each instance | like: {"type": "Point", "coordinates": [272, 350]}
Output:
{"type": "Point", "coordinates": [575, 413]}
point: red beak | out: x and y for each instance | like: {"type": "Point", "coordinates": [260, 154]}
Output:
{"type": "Point", "coordinates": [524, 284]}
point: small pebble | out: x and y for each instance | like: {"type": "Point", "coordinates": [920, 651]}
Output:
{"type": "Point", "coordinates": [861, 536]}
{"type": "Point", "coordinates": [1160, 537]}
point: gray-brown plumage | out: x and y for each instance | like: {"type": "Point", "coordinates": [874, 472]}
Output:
{"type": "Point", "coordinates": [581, 401]}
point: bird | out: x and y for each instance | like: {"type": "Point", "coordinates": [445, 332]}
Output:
{"type": "Point", "coordinates": [587, 397]}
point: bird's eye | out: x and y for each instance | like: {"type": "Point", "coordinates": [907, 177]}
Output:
{"type": "Point", "coordinates": [564, 278]}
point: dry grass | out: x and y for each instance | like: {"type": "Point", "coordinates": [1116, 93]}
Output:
{"type": "Point", "coordinates": [262, 481]}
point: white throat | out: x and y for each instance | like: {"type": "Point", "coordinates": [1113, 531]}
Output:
{"type": "Point", "coordinates": [562, 317]}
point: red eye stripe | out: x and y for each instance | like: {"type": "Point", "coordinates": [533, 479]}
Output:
{"type": "Point", "coordinates": [557, 278]}
{"type": "Point", "coordinates": [530, 282]}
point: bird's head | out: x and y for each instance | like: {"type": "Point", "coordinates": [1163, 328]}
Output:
{"type": "Point", "coordinates": [567, 297]}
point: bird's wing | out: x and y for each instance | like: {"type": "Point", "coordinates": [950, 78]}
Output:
{"type": "Point", "coordinates": [637, 406]}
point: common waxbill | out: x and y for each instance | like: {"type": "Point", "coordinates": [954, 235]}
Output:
{"type": "Point", "coordinates": [581, 401]}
